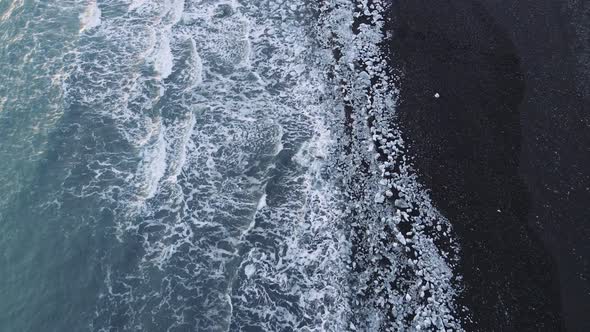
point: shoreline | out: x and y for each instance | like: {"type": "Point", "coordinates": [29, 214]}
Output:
{"type": "Point", "coordinates": [482, 148]}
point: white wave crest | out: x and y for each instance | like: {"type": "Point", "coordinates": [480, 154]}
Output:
{"type": "Point", "coordinates": [90, 18]}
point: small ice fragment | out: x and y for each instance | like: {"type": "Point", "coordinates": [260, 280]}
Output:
{"type": "Point", "coordinates": [401, 203]}
{"type": "Point", "coordinates": [400, 238]}
{"type": "Point", "coordinates": [261, 202]}
{"type": "Point", "coordinates": [249, 270]}
{"type": "Point", "coordinates": [436, 95]}
{"type": "Point", "coordinates": [379, 198]}
{"type": "Point", "coordinates": [408, 297]}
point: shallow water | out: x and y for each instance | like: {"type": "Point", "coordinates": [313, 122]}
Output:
{"type": "Point", "coordinates": [185, 165]}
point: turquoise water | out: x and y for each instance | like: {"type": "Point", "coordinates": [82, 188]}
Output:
{"type": "Point", "coordinates": [172, 165]}
{"type": "Point", "coordinates": [38, 239]}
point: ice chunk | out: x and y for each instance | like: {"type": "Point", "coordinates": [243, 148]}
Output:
{"type": "Point", "coordinates": [379, 198]}
{"type": "Point", "coordinates": [401, 203]}
{"type": "Point", "coordinates": [400, 238]}
{"type": "Point", "coordinates": [249, 270]}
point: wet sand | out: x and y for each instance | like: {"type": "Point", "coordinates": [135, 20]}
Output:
{"type": "Point", "coordinates": [504, 149]}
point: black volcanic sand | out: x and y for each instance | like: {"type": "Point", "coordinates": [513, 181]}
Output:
{"type": "Point", "coordinates": [505, 149]}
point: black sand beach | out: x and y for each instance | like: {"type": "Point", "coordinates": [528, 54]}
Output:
{"type": "Point", "coordinates": [505, 148]}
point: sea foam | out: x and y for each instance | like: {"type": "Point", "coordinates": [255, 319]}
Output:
{"type": "Point", "coordinates": [90, 18]}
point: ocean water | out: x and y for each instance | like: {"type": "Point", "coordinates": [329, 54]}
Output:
{"type": "Point", "coordinates": [210, 165]}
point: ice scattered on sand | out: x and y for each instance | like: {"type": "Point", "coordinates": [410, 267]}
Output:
{"type": "Point", "coordinates": [396, 243]}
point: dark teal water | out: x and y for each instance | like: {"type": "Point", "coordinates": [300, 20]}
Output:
{"type": "Point", "coordinates": [45, 252]}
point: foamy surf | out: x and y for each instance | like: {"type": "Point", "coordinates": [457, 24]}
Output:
{"type": "Point", "coordinates": [252, 172]}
